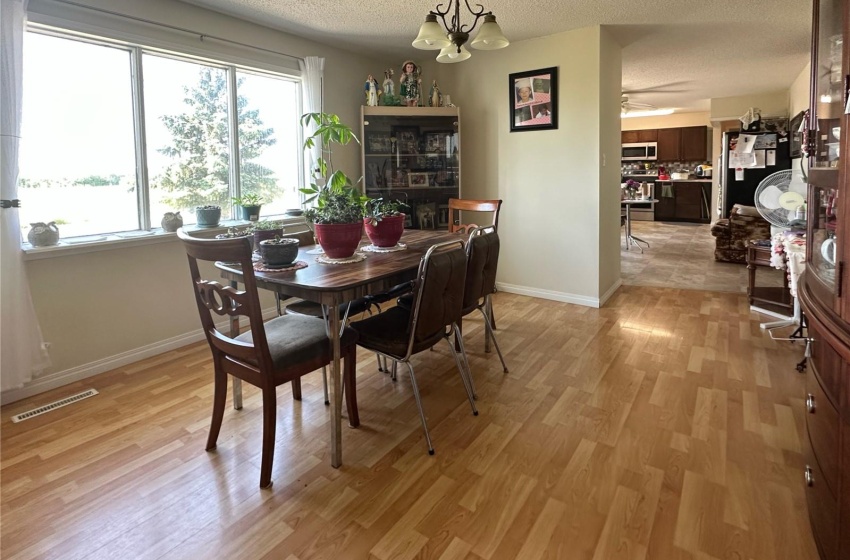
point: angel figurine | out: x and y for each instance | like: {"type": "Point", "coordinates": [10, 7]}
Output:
{"type": "Point", "coordinates": [389, 86]}
{"type": "Point", "coordinates": [411, 83]}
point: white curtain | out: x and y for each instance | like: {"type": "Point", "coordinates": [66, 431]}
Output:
{"type": "Point", "coordinates": [312, 72]}
{"type": "Point", "coordinates": [22, 349]}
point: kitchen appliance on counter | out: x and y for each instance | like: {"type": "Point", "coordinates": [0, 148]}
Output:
{"type": "Point", "coordinates": [703, 171]}
{"type": "Point", "coordinates": [640, 151]}
{"type": "Point", "coordinates": [739, 186]}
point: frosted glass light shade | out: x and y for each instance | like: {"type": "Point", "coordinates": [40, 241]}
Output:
{"type": "Point", "coordinates": [432, 37]}
{"type": "Point", "coordinates": [450, 54]}
{"type": "Point", "coordinates": [490, 36]}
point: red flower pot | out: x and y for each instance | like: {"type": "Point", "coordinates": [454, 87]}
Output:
{"type": "Point", "coordinates": [339, 241]}
{"type": "Point", "coordinates": [385, 233]}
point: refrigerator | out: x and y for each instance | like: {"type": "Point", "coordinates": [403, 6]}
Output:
{"type": "Point", "coordinates": [739, 188]}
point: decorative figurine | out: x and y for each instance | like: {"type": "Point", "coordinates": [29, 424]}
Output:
{"type": "Point", "coordinates": [410, 83]}
{"type": "Point", "coordinates": [388, 85]}
{"type": "Point", "coordinates": [171, 221]}
{"type": "Point", "coordinates": [43, 235]}
{"type": "Point", "coordinates": [371, 90]}
{"type": "Point", "coordinates": [435, 98]}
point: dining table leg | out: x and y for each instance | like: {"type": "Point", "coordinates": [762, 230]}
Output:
{"type": "Point", "coordinates": [336, 387]}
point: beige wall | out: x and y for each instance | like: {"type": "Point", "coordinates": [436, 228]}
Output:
{"type": "Point", "coordinates": [676, 120]}
{"type": "Point", "coordinates": [552, 182]}
{"type": "Point", "coordinates": [772, 104]}
{"type": "Point", "coordinates": [100, 310]}
{"type": "Point", "coordinates": [799, 92]}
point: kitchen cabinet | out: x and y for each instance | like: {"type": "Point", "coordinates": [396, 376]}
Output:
{"type": "Point", "coordinates": [689, 143]}
{"type": "Point", "coordinates": [669, 144]}
{"type": "Point", "coordinates": [635, 136]}
{"type": "Point", "coordinates": [695, 143]}
{"type": "Point", "coordinates": [688, 203]}
{"type": "Point", "coordinates": [412, 154]}
{"type": "Point", "coordinates": [823, 287]}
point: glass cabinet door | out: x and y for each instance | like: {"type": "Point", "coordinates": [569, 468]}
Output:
{"type": "Point", "coordinates": [822, 240]}
{"type": "Point", "coordinates": [829, 85]}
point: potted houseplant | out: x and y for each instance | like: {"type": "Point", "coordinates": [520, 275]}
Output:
{"type": "Point", "coordinates": [265, 229]}
{"type": "Point", "coordinates": [208, 215]}
{"type": "Point", "coordinates": [337, 217]}
{"type": "Point", "coordinates": [249, 206]}
{"type": "Point", "coordinates": [279, 251]}
{"type": "Point", "coordinates": [384, 221]}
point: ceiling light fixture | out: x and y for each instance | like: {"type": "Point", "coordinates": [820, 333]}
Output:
{"type": "Point", "coordinates": [653, 113]}
{"type": "Point", "coordinates": [451, 37]}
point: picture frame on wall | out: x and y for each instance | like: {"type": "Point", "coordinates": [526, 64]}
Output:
{"type": "Point", "coordinates": [533, 99]}
{"type": "Point", "coordinates": [796, 146]}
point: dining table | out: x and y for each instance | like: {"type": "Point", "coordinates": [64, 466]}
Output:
{"type": "Point", "coordinates": [631, 239]}
{"type": "Point", "coordinates": [333, 285]}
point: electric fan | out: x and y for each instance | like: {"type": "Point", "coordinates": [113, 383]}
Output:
{"type": "Point", "coordinates": [778, 196]}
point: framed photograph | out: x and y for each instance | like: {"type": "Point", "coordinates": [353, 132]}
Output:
{"type": "Point", "coordinates": [443, 216]}
{"type": "Point", "coordinates": [418, 179]}
{"type": "Point", "coordinates": [796, 145]}
{"type": "Point", "coordinates": [426, 215]}
{"type": "Point", "coordinates": [378, 143]}
{"type": "Point", "coordinates": [533, 99]}
{"type": "Point", "coordinates": [407, 139]}
{"type": "Point", "coordinates": [436, 142]}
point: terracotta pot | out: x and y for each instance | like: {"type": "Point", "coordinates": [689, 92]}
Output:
{"type": "Point", "coordinates": [339, 241]}
{"type": "Point", "coordinates": [385, 233]}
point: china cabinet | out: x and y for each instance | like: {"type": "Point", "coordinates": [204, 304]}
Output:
{"type": "Point", "coordinates": [824, 286]}
{"type": "Point", "coordinates": [412, 154]}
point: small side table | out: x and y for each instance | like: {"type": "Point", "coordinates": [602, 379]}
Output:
{"type": "Point", "coordinates": [773, 299]}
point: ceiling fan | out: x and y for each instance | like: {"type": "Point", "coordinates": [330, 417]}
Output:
{"type": "Point", "coordinates": [626, 106]}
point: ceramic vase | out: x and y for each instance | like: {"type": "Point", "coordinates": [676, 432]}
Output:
{"type": "Point", "coordinates": [172, 221]}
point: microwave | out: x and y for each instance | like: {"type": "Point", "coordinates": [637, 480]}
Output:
{"type": "Point", "coordinates": [640, 151]}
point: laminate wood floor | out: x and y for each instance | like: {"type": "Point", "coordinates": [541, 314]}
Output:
{"type": "Point", "coordinates": [681, 255]}
{"type": "Point", "coordinates": [665, 425]}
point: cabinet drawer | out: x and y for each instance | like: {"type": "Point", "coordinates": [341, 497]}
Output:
{"type": "Point", "coordinates": [823, 509]}
{"type": "Point", "coordinates": [826, 360]}
{"type": "Point", "coordinates": [823, 425]}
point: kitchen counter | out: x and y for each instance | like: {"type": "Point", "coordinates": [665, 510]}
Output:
{"type": "Point", "coordinates": [683, 181]}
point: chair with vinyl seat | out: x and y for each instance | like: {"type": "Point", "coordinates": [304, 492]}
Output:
{"type": "Point", "coordinates": [266, 355]}
{"type": "Point", "coordinates": [482, 254]}
{"type": "Point", "coordinates": [399, 333]}
{"type": "Point", "coordinates": [459, 205]}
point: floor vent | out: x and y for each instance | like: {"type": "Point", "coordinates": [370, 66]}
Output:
{"type": "Point", "coordinates": [54, 405]}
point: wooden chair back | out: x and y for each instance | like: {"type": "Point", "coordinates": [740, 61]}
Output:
{"type": "Point", "coordinates": [458, 205]}
{"type": "Point", "coordinates": [249, 361]}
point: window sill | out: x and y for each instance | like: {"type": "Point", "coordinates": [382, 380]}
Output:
{"type": "Point", "coordinates": [69, 246]}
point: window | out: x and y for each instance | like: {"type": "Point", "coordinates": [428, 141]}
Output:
{"type": "Point", "coordinates": [80, 160]}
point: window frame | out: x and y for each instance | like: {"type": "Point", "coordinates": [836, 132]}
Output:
{"type": "Point", "coordinates": [136, 51]}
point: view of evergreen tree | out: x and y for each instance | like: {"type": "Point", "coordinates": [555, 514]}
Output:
{"type": "Point", "coordinates": [200, 147]}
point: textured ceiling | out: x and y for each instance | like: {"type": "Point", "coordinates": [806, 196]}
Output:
{"type": "Point", "coordinates": [676, 53]}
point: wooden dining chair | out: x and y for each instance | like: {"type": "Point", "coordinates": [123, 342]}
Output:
{"type": "Point", "coordinates": [399, 333]}
{"type": "Point", "coordinates": [459, 205]}
{"type": "Point", "coordinates": [267, 354]}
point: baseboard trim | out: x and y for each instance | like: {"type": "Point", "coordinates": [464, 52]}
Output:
{"type": "Point", "coordinates": [71, 375]}
{"type": "Point", "coordinates": [549, 294]}
{"type": "Point", "coordinates": [607, 295]}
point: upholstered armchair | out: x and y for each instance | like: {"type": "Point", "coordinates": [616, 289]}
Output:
{"type": "Point", "coordinates": [732, 233]}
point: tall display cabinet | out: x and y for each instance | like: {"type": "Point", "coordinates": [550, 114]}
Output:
{"type": "Point", "coordinates": [412, 154]}
{"type": "Point", "coordinates": [824, 289]}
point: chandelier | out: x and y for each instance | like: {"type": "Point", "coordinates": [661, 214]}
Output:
{"type": "Point", "coordinates": [451, 37]}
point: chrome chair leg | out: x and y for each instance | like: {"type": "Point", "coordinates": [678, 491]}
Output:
{"type": "Point", "coordinates": [490, 334]}
{"type": "Point", "coordinates": [464, 373]}
{"type": "Point", "coordinates": [380, 365]}
{"type": "Point", "coordinates": [325, 384]}
{"type": "Point", "coordinates": [419, 405]}
{"type": "Point", "coordinates": [465, 358]}
{"type": "Point", "coordinates": [393, 374]}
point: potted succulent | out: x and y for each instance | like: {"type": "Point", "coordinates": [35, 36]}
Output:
{"type": "Point", "coordinates": [249, 206]}
{"type": "Point", "coordinates": [208, 215]}
{"type": "Point", "coordinates": [279, 252]}
{"type": "Point", "coordinates": [337, 217]}
{"type": "Point", "coordinates": [384, 221]}
{"type": "Point", "coordinates": [265, 229]}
